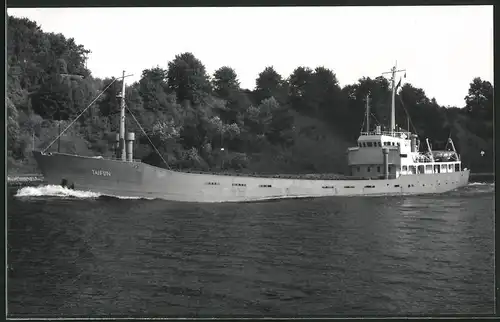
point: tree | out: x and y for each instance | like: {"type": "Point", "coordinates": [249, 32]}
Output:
{"type": "Point", "coordinates": [109, 104]}
{"type": "Point", "coordinates": [270, 84]}
{"type": "Point", "coordinates": [54, 100]}
{"type": "Point", "coordinates": [12, 124]}
{"type": "Point", "coordinates": [227, 87]}
{"type": "Point", "coordinates": [225, 82]}
{"type": "Point", "coordinates": [479, 101]}
{"type": "Point", "coordinates": [300, 90]}
{"type": "Point", "coordinates": [187, 78]}
{"type": "Point", "coordinates": [325, 92]}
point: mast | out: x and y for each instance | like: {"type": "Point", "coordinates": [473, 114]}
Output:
{"type": "Point", "coordinates": [393, 100]}
{"type": "Point", "coordinates": [430, 150]}
{"type": "Point", "coordinates": [368, 113]}
{"type": "Point", "coordinates": [122, 121]}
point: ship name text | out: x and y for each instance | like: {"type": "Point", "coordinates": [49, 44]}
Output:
{"type": "Point", "coordinates": [101, 173]}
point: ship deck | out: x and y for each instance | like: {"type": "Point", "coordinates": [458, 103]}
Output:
{"type": "Point", "coordinates": [312, 176]}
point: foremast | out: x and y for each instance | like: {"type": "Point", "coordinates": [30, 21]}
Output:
{"type": "Point", "coordinates": [123, 152]}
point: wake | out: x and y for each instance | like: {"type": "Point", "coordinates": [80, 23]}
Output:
{"type": "Point", "coordinates": [62, 192]}
{"type": "Point", "coordinates": [490, 184]}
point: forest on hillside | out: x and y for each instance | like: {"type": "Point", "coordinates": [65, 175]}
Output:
{"type": "Point", "coordinates": [302, 123]}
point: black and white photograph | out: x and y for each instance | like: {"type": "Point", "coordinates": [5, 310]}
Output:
{"type": "Point", "coordinates": [236, 162]}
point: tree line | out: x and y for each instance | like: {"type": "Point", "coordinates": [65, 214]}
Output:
{"type": "Point", "coordinates": [301, 123]}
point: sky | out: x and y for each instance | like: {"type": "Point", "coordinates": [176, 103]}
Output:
{"type": "Point", "coordinates": [442, 48]}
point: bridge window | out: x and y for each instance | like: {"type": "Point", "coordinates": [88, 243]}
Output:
{"type": "Point", "coordinates": [457, 167]}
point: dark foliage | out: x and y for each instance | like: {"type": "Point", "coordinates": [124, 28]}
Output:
{"type": "Point", "coordinates": [302, 123]}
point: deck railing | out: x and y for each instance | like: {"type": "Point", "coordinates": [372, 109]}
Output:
{"type": "Point", "coordinates": [387, 133]}
{"type": "Point", "coordinates": [98, 157]}
{"type": "Point", "coordinates": [114, 159]}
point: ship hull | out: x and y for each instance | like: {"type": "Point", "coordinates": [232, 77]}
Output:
{"type": "Point", "coordinates": [136, 179]}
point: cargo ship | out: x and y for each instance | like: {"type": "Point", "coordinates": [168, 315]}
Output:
{"type": "Point", "coordinates": [384, 162]}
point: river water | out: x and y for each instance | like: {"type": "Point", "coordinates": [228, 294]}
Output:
{"type": "Point", "coordinates": [77, 254]}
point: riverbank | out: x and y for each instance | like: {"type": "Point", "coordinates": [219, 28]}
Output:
{"type": "Point", "coordinates": [24, 179]}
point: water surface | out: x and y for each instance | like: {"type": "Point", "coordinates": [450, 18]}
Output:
{"type": "Point", "coordinates": [77, 254]}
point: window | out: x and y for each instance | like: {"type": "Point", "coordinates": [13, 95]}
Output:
{"type": "Point", "coordinates": [359, 144]}
{"type": "Point", "coordinates": [368, 169]}
{"type": "Point", "coordinates": [396, 186]}
{"type": "Point", "coordinates": [265, 186]}
{"type": "Point", "coordinates": [428, 168]}
{"type": "Point", "coordinates": [398, 144]}
{"type": "Point", "coordinates": [369, 144]}
{"type": "Point", "coordinates": [348, 186]}
{"type": "Point", "coordinates": [449, 166]}
{"type": "Point", "coordinates": [386, 143]}
{"type": "Point", "coordinates": [369, 186]}
{"type": "Point", "coordinates": [405, 168]}
{"type": "Point", "coordinates": [378, 168]}
{"type": "Point", "coordinates": [213, 183]}
{"type": "Point", "coordinates": [358, 169]}
{"type": "Point", "coordinates": [363, 144]}
{"type": "Point", "coordinates": [328, 187]}
{"type": "Point", "coordinates": [379, 144]}
{"type": "Point", "coordinates": [457, 167]}
{"type": "Point", "coordinates": [239, 184]}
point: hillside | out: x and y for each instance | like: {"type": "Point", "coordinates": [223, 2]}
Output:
{"type": "Point", "coordinates": [299, 124]}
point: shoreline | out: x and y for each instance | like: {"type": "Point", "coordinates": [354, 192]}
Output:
{"type": "Point", "coordinates": [24, 178]}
